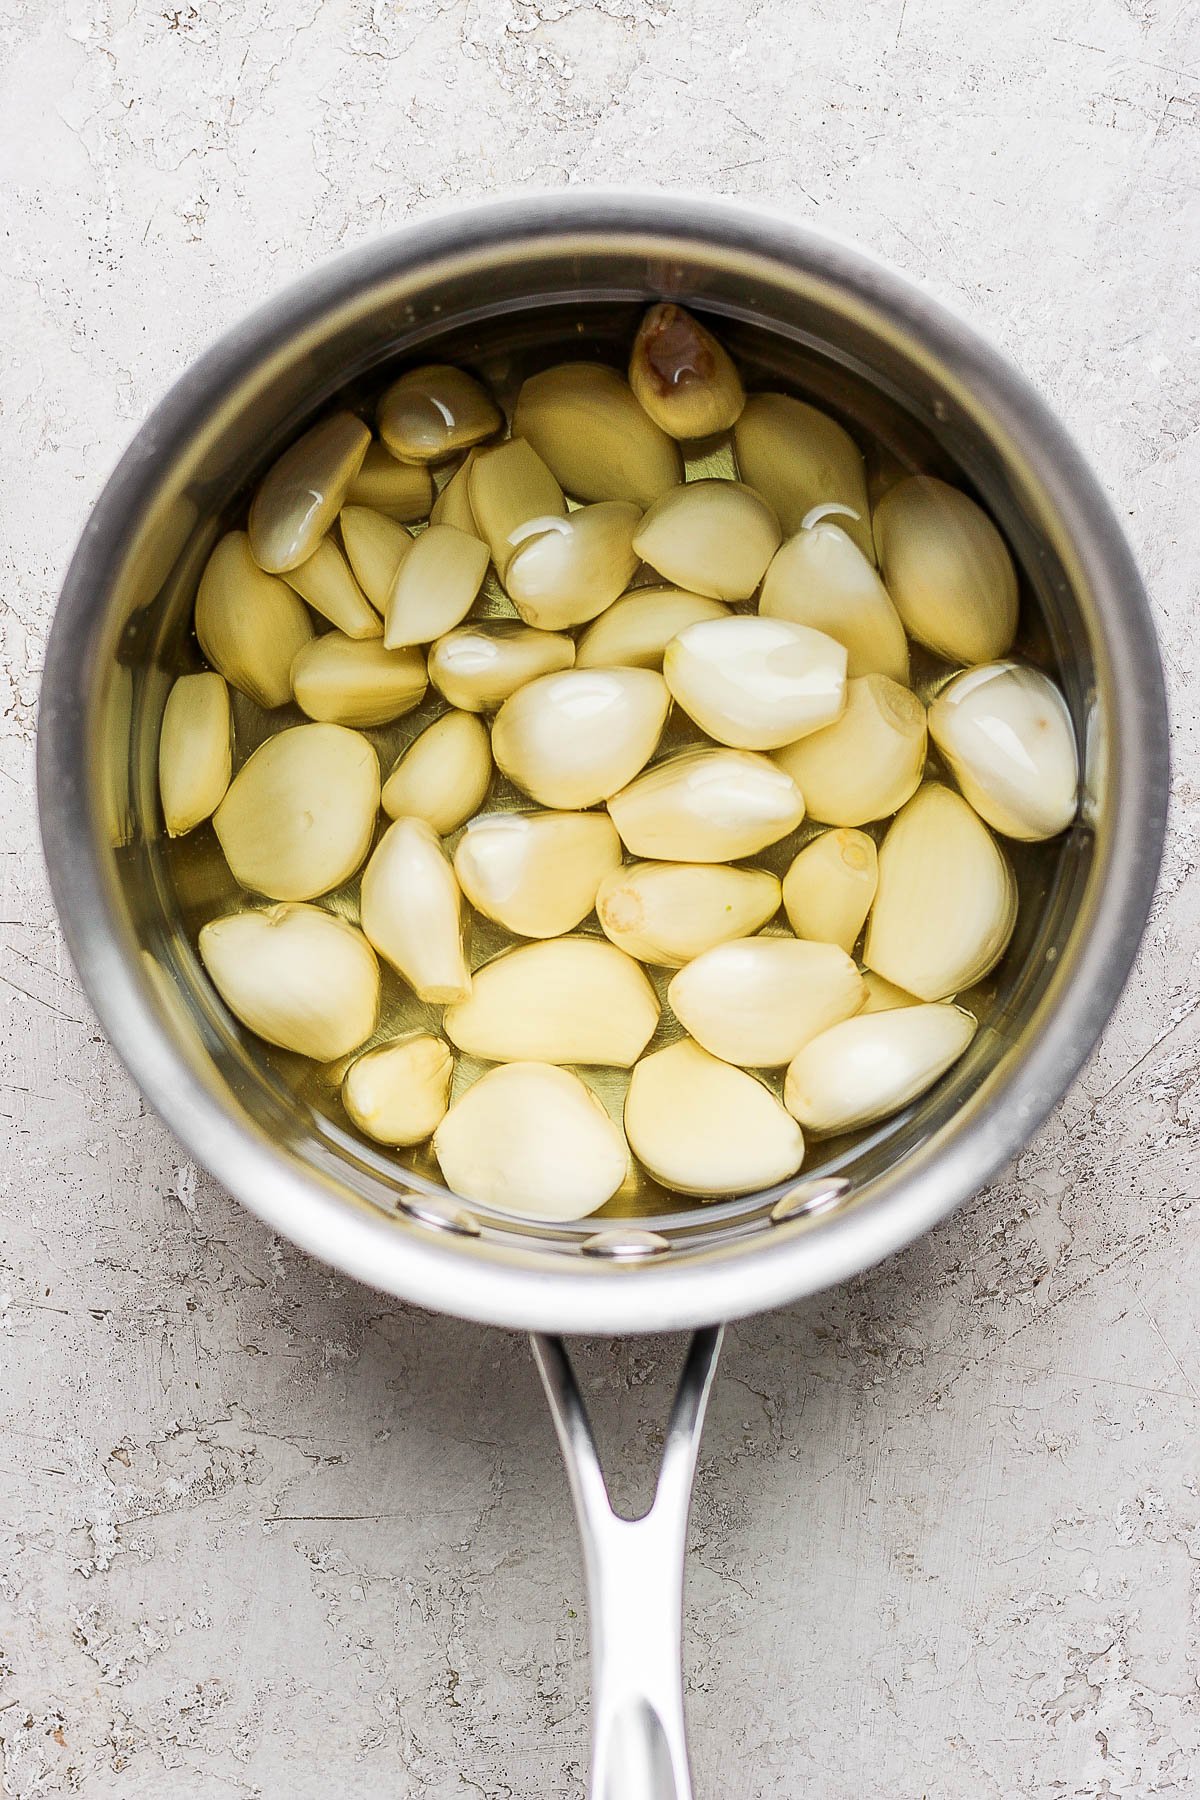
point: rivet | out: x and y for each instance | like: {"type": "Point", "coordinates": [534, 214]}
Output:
{"type": "Point", "coordinates": [441, 1215]}
{"type": "Point", "coordinates": [624, 1245]}
{"type": "Point", "coordinates": [809, 1197]}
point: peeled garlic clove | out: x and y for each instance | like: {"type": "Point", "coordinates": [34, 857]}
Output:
{"type": "Point", "coordinates": [682, 376]}
{"type": "Point", "coordinates": [412, 911]}
{"type": "Point", "coordinates": [435, 411]}
{"type": "Point", "coordinates": [564, 1000]}
{"type": "Point", "coordinates": [375, 548]}
{"type": "Point", "coordinates": [444, 775]}
{"type": "Point", "coordinates": [297, 976]}
{"type": "Point", "coordinates": [756, 684]}
{"type": "Point", "coordinates": [359, 683]}
{"type": "Point", "coordinates": [326, 583]}
{"type": "Point", "coordinates": [870, 1066]}
{"type": "Point", "coordinates": [703, 1127]}
{"type": "Point", "coordinates": [885, 996]}
{"type": "Point", "coordinates": [866, 764]}
{"type": "Point", "coordinates": [300, 813]}
{"type": "Point", "coordinates": [574, 738]}
{"type": "Point", "coordinates": [435, 586]}
{"type": "Point", "coordinates": [712, 537]}
{"type": "Point", "coordinates": [828, 890]}
{"type": "Point", "coordinates": [301, 495]}
{"type": "Point", "coordinates": [195, 751]}
{"type": "Point", "coordinates": [403, 491]}
{"type": "Point", "coordinates": [707, 806]}
{"type": "Point", "coordinates": [586, 424]}
{"type": "Point", "coordinates": [757, 1001]}
{"type": "Point", "coordinates": [1007, 735]}
{"type": "Point", "coordinates": [536, 873]}
{"type": "Point", "coordinates": [798, 458]}
{"type": "Point", "coordinates": [453, 504]}
{"type": "Point", "coordinates": [947, 570]}
{"type": "Point", "coordinates": [667, 913]}
{"type": "Point", "coordinates": [946, 902]}
{"type": "Point", "coordinates": [477, 667]}
{"type": "Point", "coordinates": [635, 631]}
{"type": "Point", "coordinates": [399, 1093]}
{"type": "Point", "coordinates": [249, 625]}
{"type": "Point", "coordinates": [564, 571]}
{"type": "Point", "coordinates": [531, 1140]}
{"type": "Point", "coordinates": [506, 488]}
{"type": "Point", "coordinates": [821, 578]}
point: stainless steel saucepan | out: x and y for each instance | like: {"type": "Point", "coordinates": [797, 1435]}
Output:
{"type": "Point", "coordinates": [815, 315]}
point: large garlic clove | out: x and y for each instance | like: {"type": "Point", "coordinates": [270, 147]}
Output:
{"type": "Point", "coordinates": [477, 667]}
{"type": "Point", "coordinates": [574, 738]}
{"type": "Point", "coordinates": [444, 774]}
{"type": "Point", "coordinates": [300, 813]}
{"type": "Point", "coordinates": [666, 913]}
{"type": "Point", "coordinates": [947, 570]}
{"type": "Point", "coordinates": [682, 376]}
{"type": "Point", "coordinates": [703, 1127]}
{"type": "Point", "coordinates": [433, 412]}
{"type": "Point", "coordinates": [563, 1000]}
{"type": "Point", "coordinates": [531, 1140]}
{"type": "Point", "coordinates": [1007, 735]}
{"type": "Point", "coordinates": [712, 537]}
{"type": "Point", "coordinates": [195, 751]}
{"type": "Point", "coordinates": [403, 491]}
{"type": "Point", "coordinates": [297, 976]}
{"type": "Point", "coordinates": [326, 583]}
{"type": "Point", "coordinates": [435, 586]}
{"type": "Point", "coordinates": [536, 873]}
{"type": "Point", "coordinates": [798, 458]}
{"type": "Point", "coordinates": [885, 996]}
{"type": "Point", "coordinates": [349, 682]}
{"type": "Point", "coordinates": [399, 1092]}
{"type": "Point", "coordinates": [564, 571]}
{"type": "Point", "coordinates": [249, 625]}
{"type": "Point", "coordinates": [870, 1066]}
{"type": "Point", "coordinates": [756, 684]}
{"type": "Point", "coordinates": [757, 1001]}
{"type": "Point", "coordinates": [821, 578]}
{"type": "Point", "coordinates": [375, 548]}
{"type": "Point", "coordinates": [707, 806]}
{"type": "Point", "coordinates": [946, 902]}
{"type": "Point", "coordinates": [635, 631]}
{"type": "Point", "coordinates": [828, 890]}
{"type": "Point", "coordinates": [506, 487]}
{"type": "Point", "coordinates": [866, 764]}
{"type": "Point", "coordinates": [412, 911]}
{"type": "Point", "coordinates": [585, 423]}
{"type": "Point", "coordinates": [301, 495]}
{"type": "Point", "coordinates": [453, 504]}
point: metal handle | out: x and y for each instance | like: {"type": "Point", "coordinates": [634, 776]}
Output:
{"type": "Point", "coordinates": [634, 1573]}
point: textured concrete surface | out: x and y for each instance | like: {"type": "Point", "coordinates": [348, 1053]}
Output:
{"type": "Point", "coordinates": [264, 1534]}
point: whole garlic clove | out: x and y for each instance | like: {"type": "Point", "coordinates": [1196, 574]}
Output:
{"type": "Point", "coordinates": [946, 903]}
{"type": "Point", "coordinates": [756, 684]}
{"type": "Point", "coordinates": [536, 874]}
{"type": "Point", "coordinates": [682, 376]}
{"type": "Point", "coordinates": [828, 891]}
{"type": "Point", "coordinates": [885, 996]}
{"type": "Point", "coordinates": [703, 1127]}
{"type": "Point", "coordinates": [444, 775]}
{"type": "Point", "coordinates": [357, 682]}
{"type": "Point", "coordinates": [477, 667]}
{"type": "Point", "coordinates": [249, 625]}
{"type": "Point", "coordinates": [326, 583]}
{"type": "Point", "coordinates": [798, 458]}
{"type": "Point", "coordinates": [506, 487]}
{"type": "Point", "coordinates": [757, 1001]}
{"type": "Point", "coordinates": [453, 504]}
{"type": "Point", "coordinates": [866, 764]}
{"type": "Point", "coordinates": [1007, 736]}
{"type": "Point", "coordinates": [297, 976]}
{"type": "Point", "coordinates": [634, 632]}
{"type": "Point", "coordinates": [869, 1067]}
{"type": "Point", "coordinates": [435, 586]}
{"type": "Point", "coordinates": [399, 1093]}
{"type": "Point", "coordinates": [301, 495]}
{"type": "Point", "coordinates": [947, 570]}
{"type": "Point", "coordinates": [821, 578]}
{"type": "Point", "coordinates": [667, 913]}
{"type": "Point", "coordinates": [707, 806]}
{"type": "Point", "coordinates": [195, 751]}
{"type": "Point", "coordinates": [412, 911]}
{"type": "Point", "coordinates": [711, 537]}
{"type": "Point", "coordinates": [431, 413]}
{"type": "Point", "coordinates": [403, 491]}
{"type": "Point", "coordinates": [574, 738]}
{"type": "Point", "coordinates": [375, 548]}
{"type": "Point", "coordinates": [562, 1000]}
{"type": "Point", "coordinates": [564, 571]}
{"type": "Point", "coordinates": [586, 424]}
{"type": "Point", "coordinates": [531, 1140]}
{"type": "Point", "coordinates": [300, 812]}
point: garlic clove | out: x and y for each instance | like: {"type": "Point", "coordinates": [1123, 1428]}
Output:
{"type": "Point", "coordinates": [757, 1001]}
{"type": "Point", "coordinates": [431, 413]}
{"type": "Point", "coordinates": [506, 487]}
{"type": "Point", "coordinates": [444, 775]}
{"type": "Point", "coordinates": [667, 913]}
{"type": "Point", "coordinates": [798, 458]}
{"type": "Point", "coordinates": [403, 491]}
{"type": "Point", "coordinates": [756, 684]}
{"type": "Point", "coordinates": [195, 751]}
{"type": "Point", "coordinates": [477, 667]}
{"type": "Point", "coordinates": [574, 738]}
{"type": "Point", "coordinates": [536, 873]}
{"type": "Point", "coordinates": [1007, 736]}
{"type": "Point", "coordinates": [885, 996]}
{"type": "Point", "coordinates": [585, 422]}
{"type": "Point", "coordinates": [250, 625]}
{"type": "Point", "coordinates": [562, 1000]}
{"type": "Point", "coordinates": [412, 911]}
{"type": "Point", "coordinates": [453, 504]}
{"type": "Point", "coordinates": [707, 806]}
{"type": "Point", "coordinates": [301, 495]}
{"type": "Point", "coordinates": [326, 583]}
{"type": "Point", "coordinates": [300, 812]}
{"type": "Point", "coordinates": [375, 547]}
{"type": "Point", "coordinates": [435, 586]}
{"type": "Point", "coordinates": [703, 1127]}
{"type": "Point", "coordinates": [682, 377]}
{"type": "Point", "coordinates": [821, 578]}
{"type": "Point", "coordinates": [399, 1093]}
{"type": "Point", "coordinates": [866, 764]}
{"type": "Point", "coordinates": [828, 890]}
{"type": "Point", "coordinates": [946, 902]}
{"type": "Point", "coordinates": [564, 571]}
{"type": "Point", "coordinates": [297, 976]}
{"type": "Point", "coordinates": [359, 683]}
{"type": "Point", "coordinates": [947, 570]}
{"type": "Point", "coordinates": [870, 1066]}
{"type": "Point", "coordinates": [635, 631]}
{"type": "Point", "coordinates": [712, 537]}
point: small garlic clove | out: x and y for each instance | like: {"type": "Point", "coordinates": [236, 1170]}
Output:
{"type": "Point", "coordinates": [711, 537]}
{"type": "Point", "coordinates": [572, 739]}
{"type": "Point", "coordinates": [412, 911]}
{"type": "Point", "coordinates": [869, 1067]}
{"type": "Point", "coordinates": [402, 491]}
{"type": "Point", "coordinates": [357, 682]}
{"type": "Point", "coordinates": [562, 1000]}
{"type": "Point", "coordinates": [821, 578]}
{"type": "Point", "coordinates": [667, 913]}
{"type": "Point", "coordinates": [564, 571]}
{"type": "Point", "coordinates": [885, 996]}
{"type": "Point", "coordinates": [530, 1139]}
{"type": "Point", "coordinates": [195, 751]}
{"type": "Point", "coordinates": [297, 976]}
{"type": "Point", "coordinates": [947, 570]}
{"type": "Point", "coordinates": [635, 631]}
{"type": "Point", "coordinates": [300, 812]}
{"type": "Point", "coordinates": [477, 667]}
{"type": "Point", "coordinates": [444, 775]}
{"type": "Point", "coordinates": [250, 625]}
{"type": "Point", "coordinates": [326, 583]}
{"type": "Point", "coordinates": [1007, 736]}
{"type": "Point", "coordinates": [757, 1001]}
{"type": "Point", "coordinates": [435, 586]}
{"type": "Point", "coordinates": [506, 487]}
{"type": "Point", "coordinates": [682, 376]}
{"type": "Point", "coordinates": [946, 902]}
{"type": "Point", "coordinates": [585, 422]}
{"type": "Point", "coordinates": [536, 873]}
{"type": "Point", "coordinates": [399, 1093]}
{"type": "Point", "coordinates": [707, 806]}
{"type": "Point", "coordinates": [433, 412]}
{"type": "Point", "coordinates": [828, 890]}
{"type": "Point", "coordinates": [798, 458]}
{"type": "Point", "coordinates": [301, 495]}
{"type": "Point", "coordinates": [866, 764]}
{"type": "Point", "coordinates": [703, 1127]}
{"type": "Point", "coordinates": [756, 684]}
{"type": "Point", "coordinates": [375, 547]}
{"type": "Point", "coordinates": [453, 504]}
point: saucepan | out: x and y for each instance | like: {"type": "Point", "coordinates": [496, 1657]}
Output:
{"type": "Point", "coordinates": [804, 310]}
